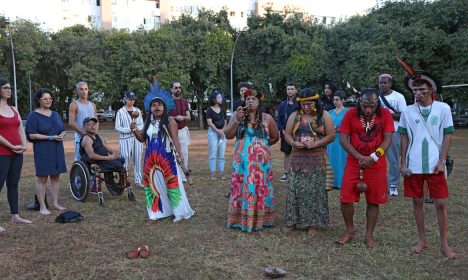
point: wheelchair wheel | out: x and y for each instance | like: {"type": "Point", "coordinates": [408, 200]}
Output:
{"type": "Point", "coordinates": [114, 183]}
{"type": "Point", "coordinates": [79, 181]}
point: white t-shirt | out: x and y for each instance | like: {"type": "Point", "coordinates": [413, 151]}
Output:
{"type": "Point", "coordinates": [397, 101]}
{"type": "Point", "coordinates": [423, 154]}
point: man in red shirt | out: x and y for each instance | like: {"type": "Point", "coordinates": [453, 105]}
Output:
{"type": "Point", "coordinates": [181, 115]}
{"type": "Point", "coordinates": [366, 133]}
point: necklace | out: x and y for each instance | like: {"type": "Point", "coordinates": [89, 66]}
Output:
{"type": "Point", "coordinates": [155, 123]}
{"type": "Point", "coordinates": [425, 115]}
{"type": "Point", "coordinates": [368, 124]}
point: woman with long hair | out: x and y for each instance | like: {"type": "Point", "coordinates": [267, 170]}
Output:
{"type": "Point", "coordinates": [336, 153]}
{"type": "Point", "coordinates": [251, 200]}
{"type": "Point", "coordinates": [309, 130]}
{"type": "Point", "coordinates": [12, 147]}
{"type": "Point", "coordinates": [216, 119]}
{"type": "Point", "coordinates": [45, 130]}
{"type": "Point", "coordinates": [164, 190]}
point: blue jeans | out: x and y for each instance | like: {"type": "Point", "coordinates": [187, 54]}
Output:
{"type": "Point", "coordinates": [393, 159]}
{"type": "Point", "coordinates": [216, 149]}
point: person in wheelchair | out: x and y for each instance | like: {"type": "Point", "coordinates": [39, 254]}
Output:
{"type": "Point", "coordinates": [95, 151]}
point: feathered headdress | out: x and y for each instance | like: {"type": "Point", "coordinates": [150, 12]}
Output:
{"type": "Point", "coordinates": [251, 92]}
{"type": "Point", "coordinates": [159, 93]}
{"type": "Point", "coordinates": [419, 75]}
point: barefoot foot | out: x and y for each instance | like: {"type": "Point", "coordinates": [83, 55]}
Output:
{"type": "Point", "coordinates": [17, 219]}
{"type": "Point", "coordinates": [287, 229]}
{"type": "Point", "coordinates": [311, 232]}
{"type": "Point", "coordinates": [346, 238]}
{"type": "Point", "coordinates": [419, 247]}
{"type": "Point", "coordinates": [447, 251]}
{"type": "Point", "coordinates": [371, 243]}
{"type": "Point", "coordinates": [45, 212]}
{"type": "Point", "coordinates": [58, 207]}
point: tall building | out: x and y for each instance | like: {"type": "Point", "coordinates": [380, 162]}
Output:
{"type": "Point", "coordinates": [53, 15]}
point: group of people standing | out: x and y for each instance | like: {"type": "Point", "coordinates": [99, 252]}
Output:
{"type": "Point", "coordinates": [360, 143]}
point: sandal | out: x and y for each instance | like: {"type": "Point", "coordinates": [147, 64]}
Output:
{"type": "Point", "coordinates": [134, 253]}
{"type": "Point", "coordinates": [144, 251]}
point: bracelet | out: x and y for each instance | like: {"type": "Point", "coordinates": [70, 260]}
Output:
{"type": "Point", "coordinates": [443, 161]}
{"type": "Point", "coordinates": [50, 137]}
{"type": "Point", "coordinates": [380, 151]}
{"type": "Point", "coordinates": [374, 157]}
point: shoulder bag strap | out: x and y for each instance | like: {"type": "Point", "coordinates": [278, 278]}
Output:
{"type": "Point", "coordinates": [385, 101]}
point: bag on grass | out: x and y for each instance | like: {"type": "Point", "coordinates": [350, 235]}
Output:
{"type": "Point", "coordinates": [69, 217]}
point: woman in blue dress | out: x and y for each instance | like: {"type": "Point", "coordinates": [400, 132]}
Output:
{"type": "Point", "coordinates": [336, 153]}
{"type": "Point", "coordinates": [45, 130]}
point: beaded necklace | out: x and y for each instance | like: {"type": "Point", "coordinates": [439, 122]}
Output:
{"type": "Point", "coordinates": [368, 124]}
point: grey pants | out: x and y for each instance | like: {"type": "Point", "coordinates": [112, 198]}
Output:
{"type": "Point", "coordinates": [393, 160]}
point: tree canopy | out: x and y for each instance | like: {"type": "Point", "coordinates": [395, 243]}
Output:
{"type": "Point", "coordinates": [274, 50]}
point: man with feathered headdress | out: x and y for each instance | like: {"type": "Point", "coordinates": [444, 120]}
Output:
{"type": "Point", "coordinates": [428, 126]}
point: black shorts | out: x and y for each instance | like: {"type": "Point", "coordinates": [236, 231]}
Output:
{"type": "Point", "coordinates": [285, 147]}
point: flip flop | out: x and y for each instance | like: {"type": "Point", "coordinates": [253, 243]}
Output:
{"type": "Point", "coordinates": [134, 253]}
{"type": "Point", "coordinates": [144, 251]}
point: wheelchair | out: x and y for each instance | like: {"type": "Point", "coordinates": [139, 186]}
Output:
{"type": "Point", "coordinates": [88, 178]}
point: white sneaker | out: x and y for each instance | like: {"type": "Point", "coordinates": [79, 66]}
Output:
{"type": "Point", "coordinates": [393, 190]}
{"type": "Point", "coordinates": [284, 178]}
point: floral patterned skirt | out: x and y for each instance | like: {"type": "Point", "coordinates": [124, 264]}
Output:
{"type": "Point", "coordinates": [251, 200]}
{"type": "Point", "coordinates": [307, 198]}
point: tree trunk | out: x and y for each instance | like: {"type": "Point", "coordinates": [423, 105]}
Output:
{"type": "Point", "coordinates": [200, 113]}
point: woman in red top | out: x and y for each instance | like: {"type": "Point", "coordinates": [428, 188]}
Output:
{"type": "Point", "coordinates": [12, 146]}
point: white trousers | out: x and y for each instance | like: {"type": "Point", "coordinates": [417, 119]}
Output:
{"type": "Point", "coordinates": [131, 149]}
{"type": "Point", "coordinates": [184, 140]}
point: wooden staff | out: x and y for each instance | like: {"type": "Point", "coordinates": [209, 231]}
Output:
{"type": "Point", "coordinates": [184, 168]}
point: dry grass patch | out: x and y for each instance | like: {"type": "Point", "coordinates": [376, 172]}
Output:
{"type": "Point", "coordinates": [202, 248]}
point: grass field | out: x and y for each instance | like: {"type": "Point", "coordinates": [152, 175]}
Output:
{"type": "Point", "coordinates": [202, 248]}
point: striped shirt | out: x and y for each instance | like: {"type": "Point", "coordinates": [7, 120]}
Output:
{"type": "Point", "coordinates": [123, 121]}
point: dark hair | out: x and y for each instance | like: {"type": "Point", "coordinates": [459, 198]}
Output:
{"type": "Point", "coordinates": [309, 92]}
{"type": "Point", "coordinates": [3, 82]}
{"type": "Point", "coordinates": [40, 93]}
{"type": "Point", "coordinates": [332, 86]}
{"type": "Point", "coordinates": [291, 84]}
{"type": "Point", "coordinates": [368, 92]}
{"type": "Point", "coordinates": [174, 82]}
{"type": "Point", "coordinates": [340, 94]}
{"type": "Point", "coordinates": [420, 82]}
{"type": "Point", "coordinates": [212, 97]}
{"type": "Point", "coordinates": [247, 85]}
{"type": "Point", "coordinates": [164, 119]}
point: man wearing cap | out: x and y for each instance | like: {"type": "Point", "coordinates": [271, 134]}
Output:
{"type": "Point", "coordinates": [130, 147]}
{"type": "Point", "coordinates": [426, 129]}
{"type": "Point", "coordinates": [366, 133]}
{"type": "Point", "coordinates": [94, 150]}
{"type": "Point", "coordinates": [80, 109]}
{"type": "Point", "coordinates": [395, 102]}
{"type": "Point", "coordinates": [181, 115]}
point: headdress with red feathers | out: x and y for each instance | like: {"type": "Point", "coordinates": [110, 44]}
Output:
{"type": "Point", "coordinates": [419, 75]}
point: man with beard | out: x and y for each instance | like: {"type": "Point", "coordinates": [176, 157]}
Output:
{"type": "Point", "coordinates": [181, 115]}
{"type": "Point", "coordinates": [366, 133]}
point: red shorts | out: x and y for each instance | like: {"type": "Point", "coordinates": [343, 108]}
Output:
{"type": "Point", "coordinates": [436, 184]}
{"type": "Point", "coordinates": [376, 180]}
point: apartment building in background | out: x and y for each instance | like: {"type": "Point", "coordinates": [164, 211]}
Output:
{"type": "Point", "coordinates": [53, 15]}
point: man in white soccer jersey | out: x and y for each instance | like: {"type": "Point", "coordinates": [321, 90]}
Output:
{"type": "Point", "coordinates": [426, 130]}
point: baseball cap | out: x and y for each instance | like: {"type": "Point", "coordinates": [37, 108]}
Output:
{"type": "Point", "coordinates": [87, 119]}
{"type": "Point", "coordinates": [130, 94]}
